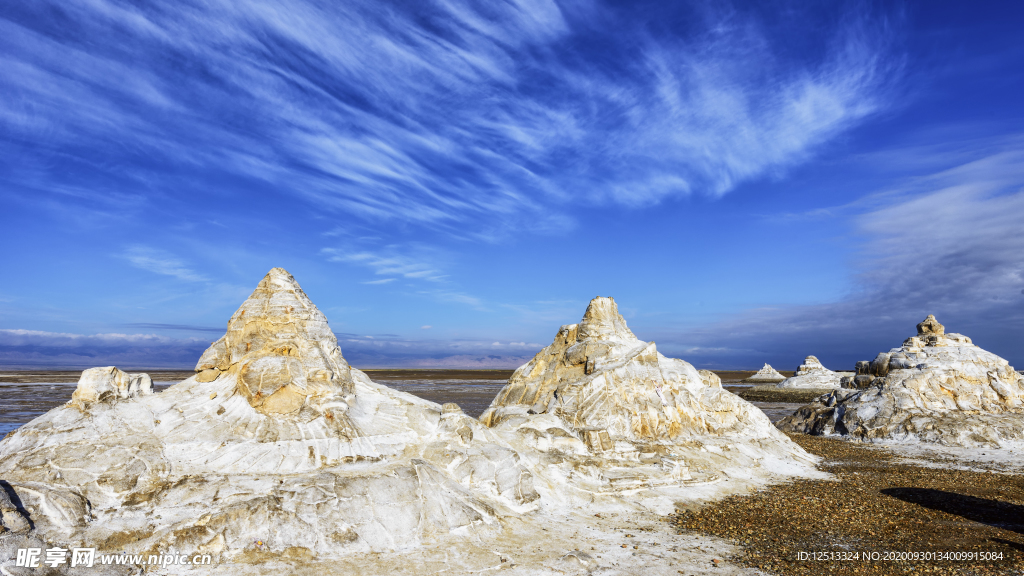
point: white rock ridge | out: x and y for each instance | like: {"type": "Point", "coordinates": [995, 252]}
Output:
{"type": "Point", "coordinates": [276, 439]}
{"type": "Point", "coordinates": [936, 387]}
{"type": "Point", "coordinates": [812, 374]}
{"type": "Point", "coordinates": [766, 374]}
{"type": "Point", "coordinates": [602, 412]}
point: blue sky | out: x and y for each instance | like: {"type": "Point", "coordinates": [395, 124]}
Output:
{"type": "Point", "coordinates": [450, 181]}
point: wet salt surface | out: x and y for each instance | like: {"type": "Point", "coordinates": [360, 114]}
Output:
{"type": "Point", "coordinates": [777, 410]}
{"type": "Point", "coordinates": [473, 396]}
{"type": "Point", "coordinates": [22, 402]}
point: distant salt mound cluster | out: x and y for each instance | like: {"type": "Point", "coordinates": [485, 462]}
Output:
{"type": "Point", "coordinates": [607, 413]}
{"type": "Point", "coordinates": [812, 374]}
{"type": "Point", "coordinates": [276, 440]}
{"type": "Point", "coordinates": [937, 388]}
{"type": "Point", "coordinates": [767, 375]}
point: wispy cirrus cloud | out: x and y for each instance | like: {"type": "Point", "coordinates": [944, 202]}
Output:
{"type": "Point", "coordinates": [161, 262]}
{"type": "Point", "coordinates": [477, 118]}
{"type": "Point", "coordinates": [176, 327]}
{"type": "Point", "coordinates": [947, 243]}
{"type": "Point", "coordinates": [454, 296]}
{"type": "Point", "coordinates": [410, 262]}
{"type": "Point", "coordinates": [383, 350]}
{"type": "Point", "coordinates": [388, 261]}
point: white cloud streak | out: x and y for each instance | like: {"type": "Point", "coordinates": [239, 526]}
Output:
{"type": "Point", "coordinates": [388, 262]}
{"type": "Point", "coordinates": [947, 244]}
{"type": "Point", "coordinates": [161, 262]}
{"type": "Point", "coordinates": [454, 296]}
{"type": "Point", "coordinates": [478, 118]}
{"type": "Point", "coordinates": [411, 262]}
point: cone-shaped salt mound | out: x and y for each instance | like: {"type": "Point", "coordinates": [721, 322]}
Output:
{"type": "Point", "coordinates": [279, 350]}
{"type": "Point", "coordinates": [276, 440]}
{"type": "Point", "coordinates": [936, 387]}
{"type": "Point", "coordinates": [812, 374]}
{"type": "Point", "coordinates": [766, 374]}
{"type": "Point", "coordinates": [603, 400]}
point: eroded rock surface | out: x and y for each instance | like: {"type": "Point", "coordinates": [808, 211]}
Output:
{"type": "Point", "coordinates": [275, 440]}
{"type": "Point", "coordinates": [936, 387]}
{"type": "Point", "coordinates": [109, 384]}
{"type": "Point", "coordinates": [812, 374]}
{"type": "Point", "coordinates": [766, 374]}
{"type": "Point", "coordinates": [278, 457]}
{"type": "Point", "coordinates": [600, 411]}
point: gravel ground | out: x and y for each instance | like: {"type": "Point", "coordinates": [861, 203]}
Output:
{"type": "Point", "coordinates": [876, 505]}
{"type": "Point", "coordinates": [773, 394]}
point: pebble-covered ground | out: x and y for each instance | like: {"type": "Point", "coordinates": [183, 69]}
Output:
{"type": "Point", "coordinates": [876, 505]}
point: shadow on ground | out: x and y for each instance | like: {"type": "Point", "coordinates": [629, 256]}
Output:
{"type": "Point", "coordinates": [992, 512]}
{"type": "Point", "coordinates": [1010, 543]}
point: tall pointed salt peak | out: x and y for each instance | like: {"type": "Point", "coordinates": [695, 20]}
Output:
{"type": "Point", "coordinates": [279, 347]}
{"type": "Point", "coordinates": [603, 321]}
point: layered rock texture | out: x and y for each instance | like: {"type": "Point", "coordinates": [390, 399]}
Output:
{"type": "Point", "coordinates": [767, 375]}
{"type": "Point", "coordinates": [602, 412]}
{"type": "Point", "coordinates": [110, 384]}
{"type": "Point", "coordinates": [936, 387]}
{"type": "Point", "coordinates": [275, 440]}
{"type": "Point", "coordinates": [812, 374]}
{"type": "Point", "coordinates": [279, 457]}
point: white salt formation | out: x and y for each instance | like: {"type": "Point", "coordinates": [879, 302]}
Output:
{"type": "Point", "coordinates": [811, 374]}
{"type": "Point", "coordinates": [937, 388]}
{"type": "Point", "coordinates": [277, 457]}
{"type": "Point", "coordinates": [602, 412]}
{"type": "Point", "coordinates": [766, 374]}
{"type": "Point", "coordinates": [275, 440]}
{"type": "Point", "coordinates": [110, 384]}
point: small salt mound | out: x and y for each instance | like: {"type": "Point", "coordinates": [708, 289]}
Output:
{"type": "Point", "coordinates": [812, 374]}
{"type": "Point", "coordinates": [766, 374]}
{"type": "Point", "coordinates": [936, 387]}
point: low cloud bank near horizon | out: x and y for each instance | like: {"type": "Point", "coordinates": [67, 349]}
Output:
{"type": "Point", "coordinates": [39, 350]}
{"type": "Point", "coordinates": [34, 349]}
